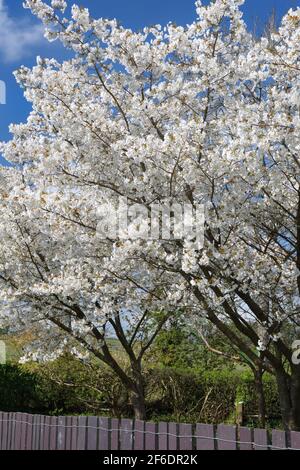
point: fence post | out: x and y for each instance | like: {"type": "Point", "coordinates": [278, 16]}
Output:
{"type": "Point", "coordinates": [239, 407]}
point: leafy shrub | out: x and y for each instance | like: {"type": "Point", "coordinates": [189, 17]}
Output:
{"type": "Point", "coordinates": [18, 389]}
{"type": "Point", "coordinates": [208, 396]}
{"type": "Point", "coordinates": [247, 394]}
{"type": "Point", "coordinates": [68, 386]}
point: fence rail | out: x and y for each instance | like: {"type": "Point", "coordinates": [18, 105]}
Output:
{"type": "Point", "coordinates": [22, 431]}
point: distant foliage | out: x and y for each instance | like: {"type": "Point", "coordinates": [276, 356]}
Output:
{"type": "Point", "coordinates": [67, 386]}
{"type": "Point", "coordinates": [18, 389]}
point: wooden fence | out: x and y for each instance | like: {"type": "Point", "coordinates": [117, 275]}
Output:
{"type": "Point", "coordinates": [21, 431]}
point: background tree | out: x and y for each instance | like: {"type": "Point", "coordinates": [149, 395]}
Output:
{"type": "Point", "coordinates": [202, 114]}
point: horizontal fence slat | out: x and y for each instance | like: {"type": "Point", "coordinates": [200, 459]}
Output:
{"type": "Point", "coordinates": [260, 439]}
{"type": "Point", "coordinates": [226, 437]}
{"type": "Point", "coordinates": [245, 438]}
{"type": "Point", "coordinates": [139, 435]}
{"type": "Point", "coordinates": [278, 440]}
{"type": "Point", "coordinates": [185, 439]}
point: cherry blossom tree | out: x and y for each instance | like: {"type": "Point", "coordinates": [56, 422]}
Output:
{"type": "Point", "coordinates": [202, 114]}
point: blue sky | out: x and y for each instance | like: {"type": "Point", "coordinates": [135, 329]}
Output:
{"type": "Point", "coordinates": [21, 36]}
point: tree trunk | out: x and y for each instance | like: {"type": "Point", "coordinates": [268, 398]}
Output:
{"type": "Point", "coordinates": [138, 405]}
{"type": "Point", "coordinates": [295, 397]}
{"type": "Point", "coordinates": [138, 394]}
{"type": "Point", "coordinates": [261, 401]}
{"type": "Point", "coordinates": [289, 396]}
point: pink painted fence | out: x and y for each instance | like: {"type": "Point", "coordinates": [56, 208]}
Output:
{"type": "Point", "coordinates": [21, 431]}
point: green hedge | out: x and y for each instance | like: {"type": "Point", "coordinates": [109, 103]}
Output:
{"type": "Point", "coordinates": [18, 389]}
{"type": "Point", "coordinates": [171, 394]}
{"type": "Point", "coordinates": [209, 396]}
{"type": "Point", "coordinates": [247, 394]}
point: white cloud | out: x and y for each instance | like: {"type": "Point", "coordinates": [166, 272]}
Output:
{"type": "Point", "coordinates": [17, 36]}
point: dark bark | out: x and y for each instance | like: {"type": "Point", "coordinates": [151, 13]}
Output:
{"type": "Point", "coordinates": [133, 381]}
{"type": "Point", "coordinates": [295, 398]}
{"type": "Point", "coordinates": [138, 405]}
{"type": "Point", "coordinates": [138, 394]}
{"type": "Point", "coordinates": [261, 401]}
{"type": "Point", "coordinates": [243, 337]}
{"type": "Point", "coordinates": [289, 396]}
